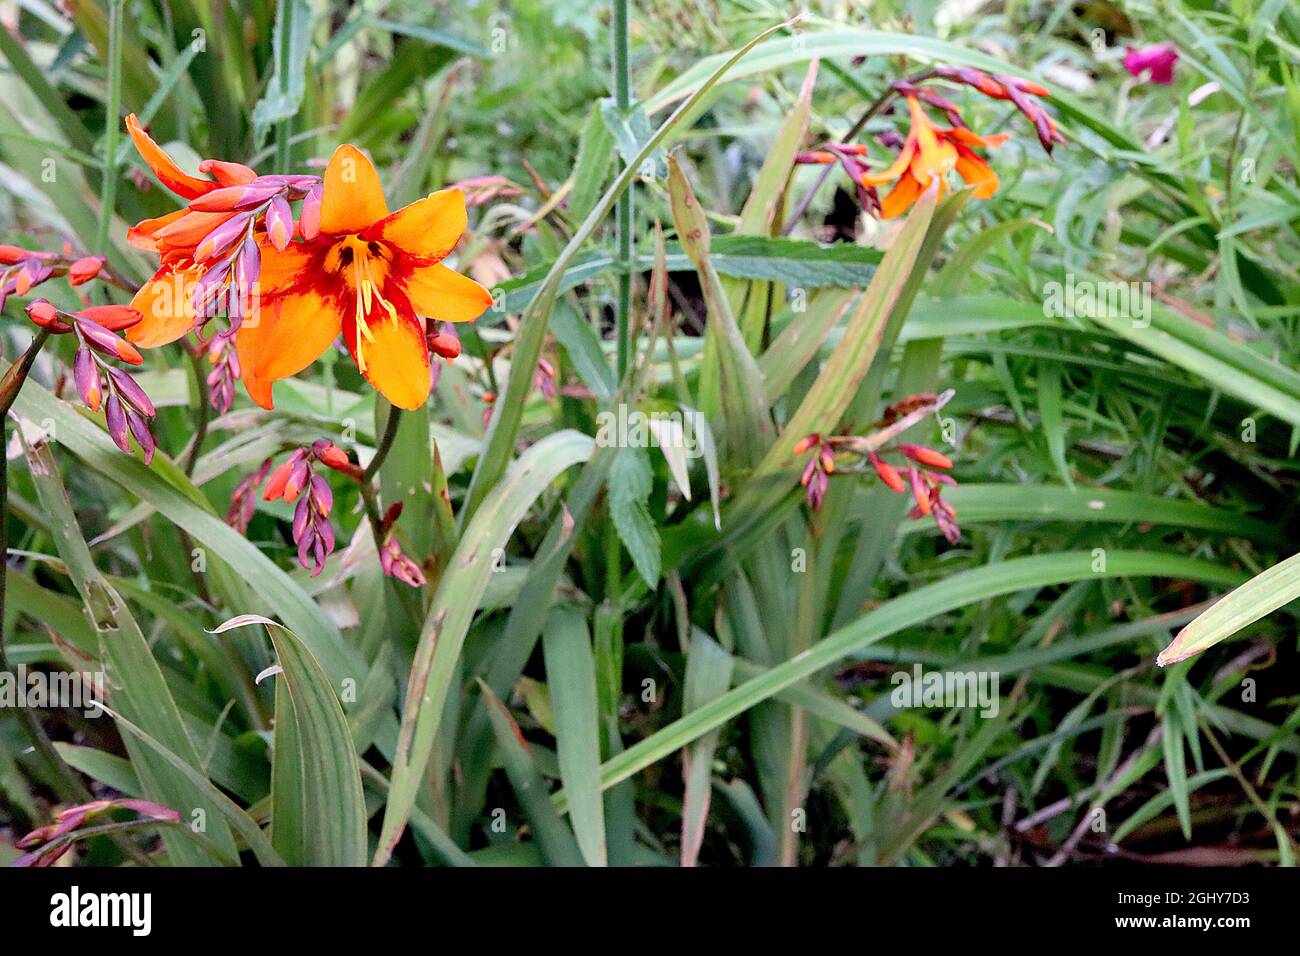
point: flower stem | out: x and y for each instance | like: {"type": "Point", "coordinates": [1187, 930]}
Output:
{"type": "Point", "coordinates": [385, 445]}
{"type": "Point", "coordinates": [283, 129]}
{"type": "Point", "coordinates": [108, 191]}
{"type": "Point", "coordinates": [623, 211]}
{"type": "Point", "coordinates": [17, 374]}
{"type": "Point", "coordinates": [201, 415]}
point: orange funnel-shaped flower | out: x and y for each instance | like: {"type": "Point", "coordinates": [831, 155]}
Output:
{"type": "Point", "coordinates": [931, 151]}
{"type": "Point", "coordinates": [372, 275]}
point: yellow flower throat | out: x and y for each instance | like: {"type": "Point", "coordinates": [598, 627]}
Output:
{"type": "Point", "coordinates": [369, 269]}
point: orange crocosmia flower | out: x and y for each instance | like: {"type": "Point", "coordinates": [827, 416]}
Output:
{"type": "Point", "coordinates": [931, 151]}
{"type": "Point", "coordinates": [165, 300]}
{"type": "Point", "coordinates": [373, 275]}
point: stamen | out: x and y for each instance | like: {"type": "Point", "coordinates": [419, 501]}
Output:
{"type": "Point", "coordinates": [366, 292]}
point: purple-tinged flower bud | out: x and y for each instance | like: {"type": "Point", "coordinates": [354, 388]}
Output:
{"type": "Point", "coordinates": [131, 392]}
{"type": "Point", "coordinates": [397, 565]}
{"type": "Point", "coordinates": [321, 495]}
{"type": "Point", "coordinates": [147, 808]}
{"type": "Point", "coordinates": [243, 500]}
{"type": "Point", "coordinates": [140, 429]}
{"type": "Point", "coordinates": [325, 530]}
{"type": "Point", "coordinates": [293, 180]}
{"type": "Point", "coordinates": [301, 518]}
{"type": "Point", "coordinates": [33, 272]}
{"type": "Point", "coordinates": [299, 477]}
{"type": "Point", "coordinates": [248, 269]}
{"type": "Point", "coordinates": [305, 542]}
{"type": "Point", "coordinates": [220, 239]}
{"type": "Point", "coordinates": [309, 215]}
{"type": "Point", "coordinates": [85, 372]}
{"type": "Point", "coordinates": [115, 417]}
{"type": "Point", "coordinates": [232, 198]}
{"type": "Point", "coordinates": [209, 286]}
{"type": "Point", "coordinates": [106, 343]}
{"type": "Point", "coordinates": [279, 223]}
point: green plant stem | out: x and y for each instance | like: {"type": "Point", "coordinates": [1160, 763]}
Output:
{"type": "Point", "coordinates": [108, 194]}
{"type": "Point", "coordinates": [370, 497]}
{"type": "Point", "coordinates": [624, 209]}
{"type": "Point", "coordinates": [201, 415]}
{"type": "Point", "coordinates": [283, 129]}
{"type": "Point", "coordinates": [385, 445]}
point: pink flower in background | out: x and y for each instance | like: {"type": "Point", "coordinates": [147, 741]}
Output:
{"type": "Point", "coordinates": [1158, 59]}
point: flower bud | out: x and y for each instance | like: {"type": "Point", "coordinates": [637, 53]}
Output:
{"type": "Point", "coordinates": [131, 392]}
{"type": "Point", "coordinates": [140, 429]}
{"type": "Point", "coordinates": [803, 444]}
{"type": "Point", "coordinates": [445, 344]}
{"type": "Point", "coordinates": [115, 417]}
{"type": "Point", "coordinates": [309, 215]}
{"type": "Point", "coordinates": [85, 269]}
{"type": "Point", "coordinates": [331, 454]}
{"type": "Point", "coordinates": [115, 318]}
{"type": "Point", "coordinates": [43, 313]}
{"type": "Point", "coordinates": [85, 373]}
{"type": "Point", "coordinates": [222, 237]}
{"type": "Point", "coordinates": [887, 473]}
{"type": "Point", "coordinates": [279, 223]}
{"type": "Point", "coordinates": [925, 456]}
{"type": "Point", "coordinates": [226, 173]}
{"type": "Point", "coordinates": [235, 198]}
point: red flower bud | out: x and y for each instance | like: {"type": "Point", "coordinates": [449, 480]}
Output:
{"type": "Point", "coordinates": [227, 174]}
{"type": "Point", "coordinates": [887, 473]}
{"type": "Point", "coordinates": [115, 318]}
{"type": "Point", "coordinates": [43, 313]}
{"type": "Point", "coordinates": [919, 491]}
{"type": "Point", "coordinates": [85, 269]}
{"type": "Point", "coordinates": [332, 455]}
{"type": "Point", "coordinates": [279, 479]}
{"type": "Point", "coordinates": [445, 344]}
{"type": "Point", "coordinates": [926, 456]}
{"type": "Point", "coordinates": [803, 444]}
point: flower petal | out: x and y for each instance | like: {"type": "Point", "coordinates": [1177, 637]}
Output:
{"type": "Point", "coordinates": [901, 197]}
{"type": "Point", "coordinates": [143, 234]}
{"type": "Point", "coordinates": [427, 229]}
{"type": "Point", "coordinates": [164, 167]}
{"type": "Point", "coordinates": [445, 295]}
{"type": "Point", "coordinates": [934, 156]}
{"type": "Point", "coordinates": [283, 270]}
{"type": "Point", "coordinates": [353, 197]}
{"type": "Point", "coordinates": [895, 169]}
{"type": "Point", "coordinates": [166, 308]}
{"type": "Point", "coordinates": [189, 230]}
{"type": "Point", "coordinates": [968, 138]}
{"type": "Point", "coordinates": [286, 333]}
{"type": "Point", "coordinates": [393, 357]}
{"type": "Point", "coordinates": [259, 391]}
{"type": "Point", "coordinates": [976, 173]}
